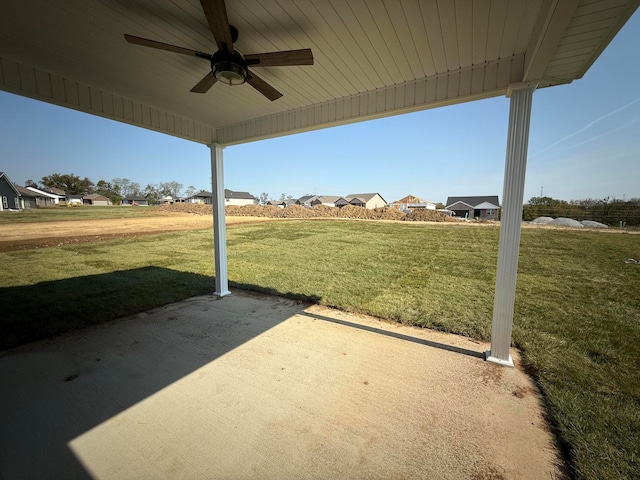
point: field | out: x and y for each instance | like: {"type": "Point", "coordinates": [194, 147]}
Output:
{"type": "Point", "coordinates": [577, 319]}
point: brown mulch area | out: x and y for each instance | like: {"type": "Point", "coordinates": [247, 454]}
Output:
{"type": "Point", "coordinates": [318, 211]}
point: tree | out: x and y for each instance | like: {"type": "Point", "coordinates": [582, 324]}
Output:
{"type": "Point", "coordinates": [170, 189]}
{"type": "Point", "coordinates": [264, 198]}
{"type": "Point", "coordinates": [125, 187]}
{"type": "Point", "coordinates": [70, 183]}
{"type": "Point", "coordinates": [106, 188]}
{"type": "Point", "coordinates": [152, 193]}
{"type": "Point", "coordinates": [30, 183]}
{"type": "Point", "coordinates": [190, 191]}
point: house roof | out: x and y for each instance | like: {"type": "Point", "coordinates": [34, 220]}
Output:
{"type": "Point", "coordinates": [474, 201]}
{"type": "Point", "coordinates": [371, 59]}
{"type": "Point", "coordinates": [11, 184]}
{"type": "Point", "coordinates": [487, 205]}
{"type": "Point", "coordinates": [412, 199]}
{"type": "Point", "coordinates": [25, 192]}
{"type": "Point", "coordinates": [44, 193]}
{"type": "Point", "coordinates": [363, 196]}
{"type": "Point", "coordinates": [329, 198]}
{"type": "Point", "coordinates": [95, 196]}
{"type": "Point", "coordinates": [307, 198]}
{"type": "Point", "coordinates": [238, 195]}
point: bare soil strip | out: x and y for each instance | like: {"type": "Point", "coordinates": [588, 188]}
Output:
{"type": "Point", "coordinates": [25, 236]}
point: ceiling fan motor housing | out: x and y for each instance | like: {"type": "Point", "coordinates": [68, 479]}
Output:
{"type": "Point", "coordinates": [229, 68]}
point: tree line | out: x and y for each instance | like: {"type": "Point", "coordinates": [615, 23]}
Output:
{"type": "Point", "coordinates": [610, 211]}
{"type": "Point", "coordinates": [116, 189]}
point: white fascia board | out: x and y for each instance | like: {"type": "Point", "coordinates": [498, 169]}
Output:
{"type": "Point", "coordinates": [486, 206]}
{"type": "Point", "coordinates": [459, 203]}
{"type": "Point", "coordinates": [45, 194]}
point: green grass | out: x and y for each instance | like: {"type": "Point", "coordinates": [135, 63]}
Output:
{"type": "Point", "coordinates": [577, 315]}
{"type": "Point", "coordinates": [55, 214]}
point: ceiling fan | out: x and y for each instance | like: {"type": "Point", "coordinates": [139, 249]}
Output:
{"type": "Point", "coordinates": [227, 65]}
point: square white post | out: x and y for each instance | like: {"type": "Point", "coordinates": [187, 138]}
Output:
{"type": "Point", "coordinates": [219, 227]}
{"type": "Point", "coordinates": [510, 222]}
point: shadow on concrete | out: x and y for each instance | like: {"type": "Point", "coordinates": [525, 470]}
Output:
{"type": "Point", "coordinates": [34, 312]}
{"type": "Point", "coordinates": [399, 336]}
{"type": "Point", "coordinates": [59, 388]}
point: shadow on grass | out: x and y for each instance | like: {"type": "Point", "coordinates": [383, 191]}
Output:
{"type": "Point", "coordinates": [301, 297]}
{"type": "Point", "coordinates": [34, 312]}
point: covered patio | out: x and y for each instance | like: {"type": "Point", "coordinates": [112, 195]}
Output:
{"type": "Point", "coordinates": [263, 387]}
{"type": "Point", "coordinates": [353, 61]}
{"type": "Point", "coordinates": [153, 405]}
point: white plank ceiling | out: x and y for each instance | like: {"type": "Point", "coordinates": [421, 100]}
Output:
{"type": "Point", "coordinates": [372, 57]}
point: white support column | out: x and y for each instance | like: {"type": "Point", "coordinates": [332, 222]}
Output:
{"type": "Point", "coordinates": [219, 227]}
{"type": "Point", "coordinates": [510, 222]}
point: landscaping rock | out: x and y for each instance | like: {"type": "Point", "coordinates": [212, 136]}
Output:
{"type": "Point", "coordinates": [542, 221]}
{"type": "Point", "coordinates": [592, 224]}
{"type": "Point", "coordinates": [566, 222]}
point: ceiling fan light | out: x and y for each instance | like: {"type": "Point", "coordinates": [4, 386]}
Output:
{"type": "Point", "coordinates": [231, 73]}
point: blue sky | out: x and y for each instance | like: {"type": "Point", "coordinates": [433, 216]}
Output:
{"type": "Point", "coordinates": [584, 143]}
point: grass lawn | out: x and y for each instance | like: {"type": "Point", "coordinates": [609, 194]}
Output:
{"type": "Point", "coordinates": [55, 214]}
{"type": "Point", "coordinates": [577, 317]}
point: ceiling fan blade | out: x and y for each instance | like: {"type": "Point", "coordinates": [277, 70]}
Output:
{"type": "Point", "coordinates": [145, 42]}
{"type": "Point", "coordinates": [280, 59]}
{"type": "Point", "coordinates": [263, 87]}
{"type": "Point", "coordinates": [216, 13]}
{"type": "Point", "coordinates": [205, 84]}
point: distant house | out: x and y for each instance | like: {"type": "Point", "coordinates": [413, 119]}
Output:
{"type": "Point", "coordinates": [96, 199]}
{"type": "Point", "coordinates": [366, 200]}
{"type": "Point", "coordinates": [230, 198]}
{"type": "Point", "coordinates": [54, 196]}
{"type": "Point", "coordinates": [333, 201]}
{"type": "Point", "coordinates": [27, 198]}
{"type": "Point", "coordinates": [277, 203]}
{"type": "Point", "coordinates": [140, 201]}
{"type": "Point", "coordinates": [239, 198]}
{"type": "Point", "coordinates": [411, 202]}
{"type": "Point", "coordinates": [200, 197]}
{"type": "Point", "coordinates": [309, 200]}
{"type": "Point", "coordinates": [483, 207]}
{"type": "Point", "coordinates": [9, 194]}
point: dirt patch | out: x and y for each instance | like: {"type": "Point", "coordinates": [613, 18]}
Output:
{"type": "Point", "coordinates": [26, 236]}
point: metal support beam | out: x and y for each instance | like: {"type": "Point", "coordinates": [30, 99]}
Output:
{"type": "Point", "coordinates": [219, 227]}
{"type": "Point", "coordinates": [510, 222]}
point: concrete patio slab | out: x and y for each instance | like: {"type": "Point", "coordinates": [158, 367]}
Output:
{"type": "Point", "coordinates": [254, 386]}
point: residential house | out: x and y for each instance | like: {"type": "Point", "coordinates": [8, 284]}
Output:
{"type": "Point", "coordinates": [333, 201]}
{"type": "Point", "coordinates": [230, 198]}
{"type": "Point", "coordinates": [366, 200]}
{"type": "Point", "coordinates": [96, 199]}
{"type": "Point", "coordinates": [9, 194]}
{"type": "Point", "coordinates": [238, 198]}
{"type": "Point", "coordinates": [27, 198]}
{"type": "Point", "coordinates": [309, 200]}
{"type": "Point", "coordinates": [139, 201]}
{"type": "Point", "coordinates": [277, 203]}
{"type": "Point", "coordinates": [482, 207]}
{"type": "Point", "coordinates": [200, 197]}
{"type": "Point", "coordinates": [411, 202]}
{"type": "Point", "coordinates": [44, 198]}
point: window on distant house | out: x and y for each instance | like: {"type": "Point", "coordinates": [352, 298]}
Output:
{"type": "Point", "coordinates": [5, 202]}
{"type": "Point", "coordinates": [491, 211]}
{"type": "Point", "coordinates": [17, 202]}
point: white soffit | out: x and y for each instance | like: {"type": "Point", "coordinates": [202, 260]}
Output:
{"type": "Point", "coordinates": [373, 58]}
